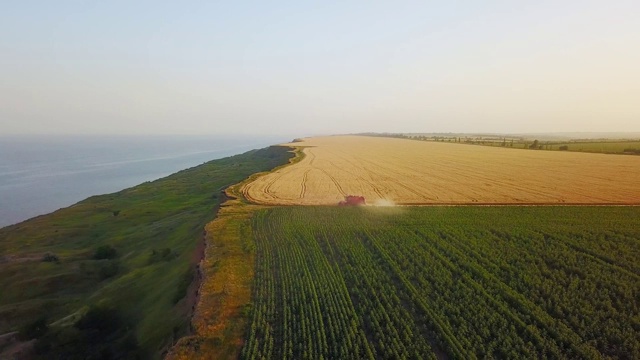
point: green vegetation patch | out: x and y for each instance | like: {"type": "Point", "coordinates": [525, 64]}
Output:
{"type": "Point", "coordinates": [425, 282]}
{"type": "Point", "coordinates": [133, 251]}
{"type": "Point", "coordinates": [604, 146]}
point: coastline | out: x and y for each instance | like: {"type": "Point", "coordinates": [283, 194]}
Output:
{"type": "Point", "coordinates": [39, 175]}
{"type": "Point", "coordinates": [156, 229]}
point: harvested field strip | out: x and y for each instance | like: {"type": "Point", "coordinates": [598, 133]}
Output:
{"type": "Point", "coordinates": [416, 172]}
{"type": "Point", "coordinates": [220, 318]}
{"type": "Point", "coordinates": [445, 282]}
{"type": "Point", "coordinates": [219, 322]}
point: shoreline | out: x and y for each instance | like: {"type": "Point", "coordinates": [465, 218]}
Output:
{"type": "Point", "coordinates": [44, 175]}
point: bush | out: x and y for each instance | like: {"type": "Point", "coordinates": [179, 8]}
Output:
{"type": "Point", "coordinates": [183, 285]}
{"type": "Point", "coordinates": [564, 147]}
{"type": "Point", "coordinates": [108, 269]}
{"type": "Point", "coordinates": [105, 252]}
{"type": "Point", "coordinates": [161, 255]}
{"type": "Point", "coordinates": [48, 257]}
{"type": "Point", "coordinates": [102, 319]}
{"type": "Point", "coordinates": [102, 333]}
{"type": "Point", "coordinates": [34, 330]}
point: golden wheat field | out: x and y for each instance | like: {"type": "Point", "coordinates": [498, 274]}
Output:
{"type": "Point", "coordinates": [401, 171]}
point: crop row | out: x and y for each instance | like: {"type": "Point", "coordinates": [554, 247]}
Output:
{"type": "Point", "coordinates": [424, 282]}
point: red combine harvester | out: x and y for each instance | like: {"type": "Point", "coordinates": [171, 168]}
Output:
{"type": "Point", "coordinates": [352, 200]}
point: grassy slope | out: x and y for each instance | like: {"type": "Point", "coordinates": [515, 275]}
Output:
{"type": "Point", "coordinates": [223, 307]}
{"type": "Point", "coordinates": [506, 282]}
{"type": "Point", "coordinates": [166, 213]}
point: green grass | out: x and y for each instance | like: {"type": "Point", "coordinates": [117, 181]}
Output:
{"type": "Point", "coordinates": [168, 213]}
{"type": "Point", "coordinates": [468, 282]}
{"type": "Point", "coordinates": [607, 147]}
{"type": "Point", "coordinates": [595, 146]}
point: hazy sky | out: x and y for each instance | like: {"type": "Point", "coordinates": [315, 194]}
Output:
{"type": "Point", "coordinates": [306, 68]}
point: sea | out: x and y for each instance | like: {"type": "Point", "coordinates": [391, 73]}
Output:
{"type": "Point", "coordinates": [40, 174]}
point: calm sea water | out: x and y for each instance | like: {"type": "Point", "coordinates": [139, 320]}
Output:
{"type": "Point", "coordinates": [41, 174]}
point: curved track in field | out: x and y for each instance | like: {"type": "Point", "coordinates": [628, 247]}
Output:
{"type": "Point", "coordinates": [409, 172]}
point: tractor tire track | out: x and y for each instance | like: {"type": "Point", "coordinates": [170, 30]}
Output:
{"type": "Point", "coordinates": [303, 184]}
{"type": "Point", "coordinates": [335, 182]}
{"type": "Point", "coordinates": [375, 189]}
{"type": "Point", "coordinates": [267, 189]}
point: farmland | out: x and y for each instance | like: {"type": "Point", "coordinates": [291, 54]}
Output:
{"type": "Point", "coordinates": [403, 171]}
{"type": "Point", "coordinates": [591, 146]}
{"type": "Point", "coordinates": [438, 282]}
{"type": "Point", "coordinates": [628, 144]}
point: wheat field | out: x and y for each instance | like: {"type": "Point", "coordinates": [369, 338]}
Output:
{"type": "Point", "coordinates": [410, 172]}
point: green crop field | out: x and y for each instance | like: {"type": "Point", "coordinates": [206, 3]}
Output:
{"type": "Point", "coordinates": [604, 146]}
{"type": "Point", "coordinates": [437, 282]}
{"type": "Point", "coordinates": [130, 256]}
{"type": "Point", "coordinates": [592, 146]}
{"type": "Point", "coordinates": [609, 147]}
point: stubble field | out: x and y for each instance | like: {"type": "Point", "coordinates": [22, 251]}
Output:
{"type": "Point", "coordinates": [400, 171]}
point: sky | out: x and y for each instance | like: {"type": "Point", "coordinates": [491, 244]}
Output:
{"type": "Point", "coordinates": [310, 68]}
